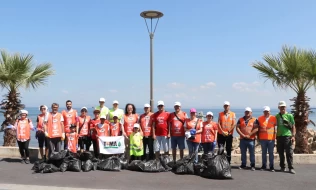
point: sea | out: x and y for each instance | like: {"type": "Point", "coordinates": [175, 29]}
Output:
{"type": "Point", "coordinates": [34, 111]}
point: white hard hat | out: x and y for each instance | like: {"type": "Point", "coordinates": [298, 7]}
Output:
{"type": "Point", "coordinates": [282, 103]}
{"type": "Point", "coordinates": [24, 111]}
{"type": "Point", "coordinates": [209, 113]}
{"type": "Point", "coordinates": [248, 109]}
{"type": "Point", "coordinates": [266, 108]}
{"type": "Point", "coordinates": [102, 100]}
{"type": "Point", "coordinates": [161, 103]}
{"type": "Point", "coordinates": [115, 102]}
{"type": "Point", "coordinates": [226, 103]}
{"type": "Point", "coordinates": [147, 106]}
{"type": "Point", "coordinates": [177, 104]}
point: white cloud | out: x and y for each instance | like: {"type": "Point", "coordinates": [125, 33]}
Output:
{"type": "Point", "coordinates": [113, 91]}
{"type": "Point", "coordinates": [208, 85]}
{"type": "Point", "coordinates": [65, 91]}
{"type": "Point", "coordinates": [246, 87]}
{"type": "Point", "coordinates": [175, 85]}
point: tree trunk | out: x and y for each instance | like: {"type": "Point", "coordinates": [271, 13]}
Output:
{"type": "Point", "coordinates": [300, 110]}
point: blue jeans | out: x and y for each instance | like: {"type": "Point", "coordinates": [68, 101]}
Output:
{"type": "Point", "coordinates": [208, 147]}
{"type": "Point", "coordinates": [250, 145]}
{"type": "Point", "coordinates": [193, 148]}
{"type": "Point", "coordinates": [267, 145]}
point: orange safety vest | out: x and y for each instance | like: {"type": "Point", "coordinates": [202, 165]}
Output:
{"type": "Point", "coordinates": [115, 129]}
{"type": "Point", "coordinates": [23, 129]}
{"type": "Point", "coordinates": [54, 125]}
{"type": "Point", "coordinates": [226, 122]}
{"type": "Point", "coordinates": [103, 131]}
{"type": "Point", "coordinates": [267, 127]}
{"type": "Point", "coordinates": [129, 122]}
{"type": "Point", "coordinates": [145, 124]}
{"type": "Point", "coordinates": [191, 125]}
{"type": "Point", "coordinates": [177, 127]}
{"type": "Point", "coordinates": [246, 129]}
{"type": "Point", "coordinates": [208, 132]}
{"type": "Point", "coordinates": [40, 123]}
{"type": "Point", "coordinates": [69, 118]}
{"type": "Point", "coordinates": [84, 127]}
{"type": "Point", "coordinates": [72, 142]}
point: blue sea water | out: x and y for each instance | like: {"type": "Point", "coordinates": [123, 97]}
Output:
{"type": "Point", "coordinates": [33, 112]}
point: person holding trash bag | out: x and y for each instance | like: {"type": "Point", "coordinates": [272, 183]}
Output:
{"type": "Point", "coordinates": [72, 139]}
{"type": "Point", "coordinates": [40, 133]}
{"type": "Point", "coordinates": [136, 143]}
{"type": "Point", "coordinates": [93, 122]}
{"type": "Point", "coordinates": [247, 128]}
{"type": "Point", "coordinates": [23, 127]}
{"type": "Point", "coordinates": [209, 134]}
{"type": "Point", "coordinates": [83, 130]}
{"type": "Point", "coordinates": [193, 129]}
{"type": "Point", "coordinates": [54, 129]}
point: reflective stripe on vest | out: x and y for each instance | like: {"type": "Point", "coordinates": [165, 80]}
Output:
{"type": "Point", "coordinates": [226, 122]}
{"type": "Point", "coordinates": [267, 127]}
{"type": "Point", "coordinates": [246, 129]}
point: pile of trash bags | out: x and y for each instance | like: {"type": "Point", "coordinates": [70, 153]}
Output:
{"type": "Point", "coordinates": [212, 166]}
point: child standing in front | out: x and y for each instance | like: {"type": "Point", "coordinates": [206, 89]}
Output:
{"type": "Point", "coordinates": [72, 139]}
{"type": "Point", "coordinates": [136, 143]}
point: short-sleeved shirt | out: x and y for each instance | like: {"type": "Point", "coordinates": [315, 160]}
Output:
{"type": "Point", "coordinates": [161, 123]}
{"type": "Point", "coordinates": [281, 129]}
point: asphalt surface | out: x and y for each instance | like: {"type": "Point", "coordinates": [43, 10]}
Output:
{"type": "Point", "coordinates": [14, 175]}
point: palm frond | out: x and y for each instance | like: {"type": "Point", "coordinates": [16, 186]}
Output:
{"type": "Point", "coordinates": [39, 75]}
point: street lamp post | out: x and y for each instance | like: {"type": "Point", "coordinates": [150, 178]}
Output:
{"type": "Point", "coordinates": [151, 15]}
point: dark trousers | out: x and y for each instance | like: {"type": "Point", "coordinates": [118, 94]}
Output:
{"type": "Point", "coordinates": [95, 147]}
{"type": "Point", "coordinates": [66, 142]}
{"type": "Point", "coordinates": [54, 145]}
{"type": "Point", "coordinates": [285, 143]}
{"type": "Point", "coordinates": [24, 148]}
{"type": "Point", "coordinates": [228, 140]}
{"type": "Point", "coordinates": [84, 141]}
{"type": "Point", "coordinates": [150, 143]}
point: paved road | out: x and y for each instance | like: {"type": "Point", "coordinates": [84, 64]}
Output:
{"type": "Point", "coordinates": [14, 175]}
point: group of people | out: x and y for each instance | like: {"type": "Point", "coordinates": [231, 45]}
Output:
{"type": "Point", "coordinates": [155, 130]}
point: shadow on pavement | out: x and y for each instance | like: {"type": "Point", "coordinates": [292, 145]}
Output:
{"type": "Point", "coordinates": [10, 160]}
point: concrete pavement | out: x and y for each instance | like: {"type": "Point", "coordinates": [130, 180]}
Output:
{"type": "Point", "coordinates": [14, 175]}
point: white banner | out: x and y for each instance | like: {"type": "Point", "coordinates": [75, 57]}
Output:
{"type": "Point", "coordinates": [111, 145]}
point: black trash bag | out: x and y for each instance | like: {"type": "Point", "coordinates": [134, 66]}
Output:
{"type": "Point", "coordinates": [152, 166]}
{"type": "Point", "coordinates": [184, 166]}
{"type": "Point", "coordinates": [198, 168]}
{"type": "Point", "coordinates": [216, 167]}
{"type": "Point", "coordinates": [134, 165]}
{"type": "Point", "coordinates": [110, 164]}
{"type": "Point", "coordinates": [85, 156]}
{"type": "Point", "coordinates": [50, 168]}
{"type": "Point", "coordinates": [58, 155]}
{"type": "Point", "coordinates": [87, 166]}
{"type": "Point", "coordinates": [95, 162]}
{"type": "Point", "coordinates": [39, 166]}
{"type": "Point", "coordinates": [64, 166]}
{"type": "Point", "coordinates": [166, 161]}
{"type": "Point", "coordinates": [74, 165]}
{"type": "Point", "coordinates": [56, 163]}
{"type": "Point", "coordinates": [124, 162]}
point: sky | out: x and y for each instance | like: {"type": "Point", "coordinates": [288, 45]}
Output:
{"type": "Point", "coordinates": [203, 49]}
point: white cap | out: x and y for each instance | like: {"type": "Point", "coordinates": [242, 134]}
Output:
{"type": "Point", "coordinates": [147, 106]}
{"type": "Point", "coordinates": [84, 108]}
{"type": "Point", "coordinates": [24, 111]}
{"type": "Point", "coordinates": [103, 117]}
{"type": "Point", "coordinates": [115, 115]}
{"type": "Point", "coordinates": [44, 107]}
{"type": "Point", "coordinates": [177, 104]}
{"type": "Point", "coordinates": [115, 102]}
{"type": "Point", "coordinates": [266, 108]}
{"type": "Point", "coordinates": [282, 103]}
{"type": "Point", "coordinates": [226, 103]}
{"type": "Point", "coordinates": [136, 125]}
{"type": "Point", "coordinates": [161, 103]}
{"type": "Point", "coordinates": [209, 113]}
{"type": "Point", "coordinates": [248, 109]}
{"type": "Point", "coordinates": [102, 100]}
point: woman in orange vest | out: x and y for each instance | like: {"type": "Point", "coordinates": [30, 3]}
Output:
{"type": "Point", "coordinates": [247, 128]}
{"type": "Point", "coordinates": [40, 133]}
{"type": "Point", "coordinates": [23, 128]}
{"type": "Point", "coordinates": [193, 129]}
{"type": "Point", "coordinates": [209, 134]}
{"type": "Point", "coordinates": [267, 135]}
{"type": "Point", "coordinates": [83, 130]}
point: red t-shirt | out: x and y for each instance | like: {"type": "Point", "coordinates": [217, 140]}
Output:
{"type": "Point", "coordinates": [161, 123]}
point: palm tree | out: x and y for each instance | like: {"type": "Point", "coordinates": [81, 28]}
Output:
{"type": "Point", "coordinates": [16, 72]}
{"type": "Point", "coordinates": [294, 69]}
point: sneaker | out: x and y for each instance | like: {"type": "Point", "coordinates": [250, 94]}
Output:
{"type": "Point", "coordinates": [292, 171]}
{"type": "Point", "coordinates": [242, 167]}
{"type": "Point", "coordinates": [253, 169]}
{"type": "Point", "coordinates": [283, 170]}
{"type": "Point", "coordinates": [272, 170]}
{"type": "Point", "coordinates": [27, 161]}
{"type": "Point", "coordinates": [23, 161]}
{"type": "Point", "coordinates": [263, 168]}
